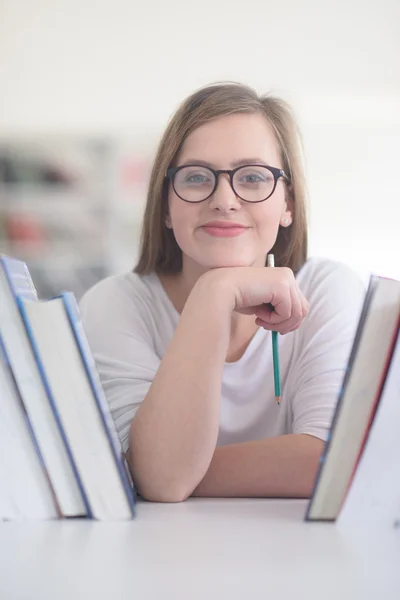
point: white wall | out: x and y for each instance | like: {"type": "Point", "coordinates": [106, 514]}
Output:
{"type": "Point", "coordinates": [123, 66]}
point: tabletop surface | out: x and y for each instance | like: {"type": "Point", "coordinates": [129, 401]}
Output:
{"type": "Point", "coordinates": [202, 548]}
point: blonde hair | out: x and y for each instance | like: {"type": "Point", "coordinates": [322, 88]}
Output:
{"type": "Point", "coordinates": [159, 250]}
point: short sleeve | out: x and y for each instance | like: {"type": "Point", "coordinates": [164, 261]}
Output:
{"type": "Point", "coordinates": [119, 335]}
{"type": "Point", "coordinates": [335, 294]}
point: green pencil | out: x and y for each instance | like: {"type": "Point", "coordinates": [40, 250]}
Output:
{"type": "Point", "coordinates": [275, 353]}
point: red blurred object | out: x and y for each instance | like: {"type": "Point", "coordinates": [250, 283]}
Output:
{"type": "Point", "coordinates": [21, 228]}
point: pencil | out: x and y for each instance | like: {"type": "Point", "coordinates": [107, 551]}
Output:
{"type": "Point", "coordinates": [275, 353]}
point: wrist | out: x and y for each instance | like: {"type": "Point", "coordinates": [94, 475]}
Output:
{"type": "Point", "coordinates": [214, 288]}
{"type": "Point", "coordinates": [208, 309]}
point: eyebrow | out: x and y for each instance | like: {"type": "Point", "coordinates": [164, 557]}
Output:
{"type": "Point", "coordinates": [234, 164]}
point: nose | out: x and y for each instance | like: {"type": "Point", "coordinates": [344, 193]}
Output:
{"type": "Point", "coordinates": [224, 198]}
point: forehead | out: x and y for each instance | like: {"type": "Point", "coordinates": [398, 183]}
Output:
{"type": "Point", "coordinates": [231, 138]}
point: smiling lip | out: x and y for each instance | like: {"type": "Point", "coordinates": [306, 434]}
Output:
{"type": "Point", "coordinates": [224, 228]}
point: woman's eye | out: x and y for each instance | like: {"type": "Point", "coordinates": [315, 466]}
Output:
{"type": "Point", "coordinates": [197, 178]}
{"type": "Point", "coordinates": [252, 178]}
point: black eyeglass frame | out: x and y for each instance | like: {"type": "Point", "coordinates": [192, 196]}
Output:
{"type": "Point", "coordinates": [277, 174]}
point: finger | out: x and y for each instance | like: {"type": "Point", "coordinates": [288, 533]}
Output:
{"type": "Point", "coordinates": [282, 304]}
{"type": "Point", "coordinates": [279, 309]}
{"type": "Point", "coordinates": [279, 328]}
{"type": "Point", "coordinates": [297, 309]}
{"type": "Point", "coordinates": [266, 317]}
{"type": "Point", "coordinates": [305, 305]}
{"type": "Point", "coordinates": [305, 309]}
{"type": "Point", "coordinates": [295, 317]}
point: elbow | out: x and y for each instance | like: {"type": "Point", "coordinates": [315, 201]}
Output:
{"type": "Point", "coordinates": [157, 482]}
{"type": "Point", "coordinates": [312, 457]}
{"type": "Point", "coordinates": [154, 488]}
{"type": "Point", "coordinates": [172, 493]}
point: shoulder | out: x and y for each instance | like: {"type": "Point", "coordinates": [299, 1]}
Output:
{"type": "Point", "coordinates": [121, 294]}
{"type": "Point", "coordinates": [127, 285]}
{"type": "Point", "coordinates": [335, 293]}
{"type": "Point", "coordinates": [321, 276]}
{"type": "Point", "coordinates": [127, 318]}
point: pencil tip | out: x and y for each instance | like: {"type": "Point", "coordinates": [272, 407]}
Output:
{"type": "Point", "coordinates": [278, 400]}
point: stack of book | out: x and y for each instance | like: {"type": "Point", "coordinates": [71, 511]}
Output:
{"type": "Point", "coordinates": [359, 477]}
{"type": "Point", "coordinates": [60, 455]}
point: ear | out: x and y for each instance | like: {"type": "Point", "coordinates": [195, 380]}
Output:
{"type": "Point", "coordinates": [286, 219]}
{"type": "Point", "coordinates": [287, 213]}
{"type": "Point", "coordinates": [286, 216]}
{"type": "Point", "coordinates": [168, 223]}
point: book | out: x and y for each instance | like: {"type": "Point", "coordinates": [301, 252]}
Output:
{"type": "Point", "coordinates": [25, 488]}
{"type": "Point", "coordinates": [367, 369]}
{"type": "Point", "coordinates": [15, 283]}
{"type": "Point", "coordinates": [61, 348]}
{"type": "Point", "coordinates": [374, 495]}
{"type": "Point", "coordinates": [75, 319]}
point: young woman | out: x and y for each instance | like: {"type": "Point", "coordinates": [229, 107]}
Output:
{"type": "Point", "coordinates": [183, 343]}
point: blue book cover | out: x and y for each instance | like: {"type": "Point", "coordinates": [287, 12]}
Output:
{"type": "Point", "coordinates": [22, 288]}
{"type": "Point", "coordinates": [75, 320]}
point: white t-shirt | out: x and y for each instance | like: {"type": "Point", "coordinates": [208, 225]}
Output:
{"type": "Point", "coordinates": [130, 320]}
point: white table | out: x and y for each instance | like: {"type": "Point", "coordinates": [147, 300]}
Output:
{"type": "Point", "coordinates": [236, 549]}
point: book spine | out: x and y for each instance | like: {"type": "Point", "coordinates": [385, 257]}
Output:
{"type": "Point", "coordinates": [375, 406]}
{"type": "Point", "coordinates": [367, 302]}
{"type": "Point", "coordinates": [25, 318]}
{"type": "Point", "coordinates": [73, 313]}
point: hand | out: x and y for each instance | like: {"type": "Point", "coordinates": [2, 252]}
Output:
{"type": "Point", "coordinates": [271, 295]}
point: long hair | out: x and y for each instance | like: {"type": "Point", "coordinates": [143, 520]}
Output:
{"type": "Point", "coordinates": [159, 250]}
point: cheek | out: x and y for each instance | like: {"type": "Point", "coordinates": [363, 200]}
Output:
{"type": "Point", "coordinates": [183, 215]}
{"type": "Point", "coordinates": [267, 216]}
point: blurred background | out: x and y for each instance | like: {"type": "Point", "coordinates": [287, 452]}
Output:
{"type": "Point", "coordinates": [87, 87]}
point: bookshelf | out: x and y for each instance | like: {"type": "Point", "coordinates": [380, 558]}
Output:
{"type": "Point", "coordinates": [71, 207]}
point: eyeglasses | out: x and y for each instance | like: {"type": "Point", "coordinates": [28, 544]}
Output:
{"type": "Point", "coordinates": [250, 183]}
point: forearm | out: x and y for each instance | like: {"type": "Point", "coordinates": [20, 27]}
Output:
{"type": "Point", "coordinates": [283, 466]}
{"type": "Point", "coordinates": [174, 432]}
